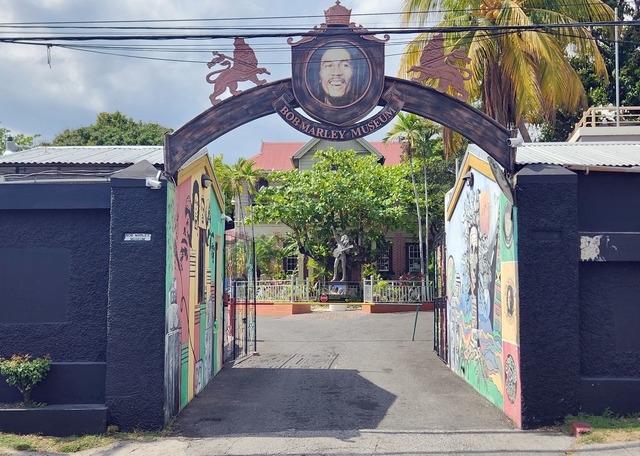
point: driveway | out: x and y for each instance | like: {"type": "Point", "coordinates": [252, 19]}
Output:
{"type": "Point", "coordinates": [347, 383]}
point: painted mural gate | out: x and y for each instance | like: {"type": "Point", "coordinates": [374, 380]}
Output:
{"type": "Point", "coordinates": [337, 81]}
{"type": "Point", "coordinates": [482, 288]}
{"type": "Point", "coordinates": [193, 353]}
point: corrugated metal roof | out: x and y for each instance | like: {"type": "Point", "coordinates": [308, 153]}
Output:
{"type": "Point", "coordinates": [85, 155]}
{"type": "Point", "coordinates": [618, 154]}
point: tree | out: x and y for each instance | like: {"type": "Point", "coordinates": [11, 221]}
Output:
{"type": "Point", "coordinates": [271, 252]}
{"type": "Point", "coordinates": [599, 92]}
{"type": "Point", "coordinates": [354, 194]}
{"type": "Point", "coordinates": [409, 129]}
{"type": "Point", "coordinates": [113, 129]}
{"type": "Point", "coordinates": [19, 138]}
{"type": "Point", "coordinates": [438, 174]}
{"type": "Point", "coordinates": [223, 172]}
{"type": "Point", "coordinates": [243, 176]}
{"type": "Point", "coordinates": [516, 77]}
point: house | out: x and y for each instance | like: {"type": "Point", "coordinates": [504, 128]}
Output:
{"type": "Point", "coordinates": [541, 280]}
{"type": "Point", "coordinates": [116, 273]}
{"type": "Point", "coordinates": [403, 256]}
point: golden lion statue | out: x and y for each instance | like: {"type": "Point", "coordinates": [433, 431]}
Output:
{"type": "Point", "coordinates": [244, 68]}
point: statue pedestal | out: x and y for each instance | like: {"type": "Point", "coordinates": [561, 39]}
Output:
{"type": "Point", "coordinates": [337, 307]}
{"type": "Point", "coordinates": [337, 292]}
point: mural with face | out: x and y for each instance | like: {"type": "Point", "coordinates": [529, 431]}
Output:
{"type": "Point", "coordinates": [475, 280]}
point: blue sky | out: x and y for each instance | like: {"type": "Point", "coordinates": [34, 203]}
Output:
{"type": "Point", "coordinates": [38, 99]}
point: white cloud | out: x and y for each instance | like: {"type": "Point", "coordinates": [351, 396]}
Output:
{"type": "Point", "coordinates": [79, 85]}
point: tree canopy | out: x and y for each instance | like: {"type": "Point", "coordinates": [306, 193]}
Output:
{"type": "Point", "coordinates": [113, 129]}
{"type": "Point", "coordinates": [354, 194]}
{"type": "Point", "coordinates": [516, 77]}
{"type": "Point", "coordinates": [599, 92]}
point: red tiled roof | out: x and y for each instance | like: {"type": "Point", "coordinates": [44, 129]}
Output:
{"type": "Point", "coordinates": [277, 155]}
{"type": "Point", "coordinates": [392, 152]}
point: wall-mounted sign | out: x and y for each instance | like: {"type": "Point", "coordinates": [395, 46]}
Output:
{"type": "Point", "coordinates": [337, 77]}
{"type": "Point", "coordinates": [285, 109]}
{"type": "Point", "coordinates": [137, 237]}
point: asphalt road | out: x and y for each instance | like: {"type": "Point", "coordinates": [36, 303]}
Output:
{"type": "Point", "coordinates": [347, 383]}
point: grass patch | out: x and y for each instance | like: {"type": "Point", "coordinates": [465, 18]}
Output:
{"type": "Point", "coordinates": [71, 444]}
{"type": "Point", "coordinates": [606, 428]}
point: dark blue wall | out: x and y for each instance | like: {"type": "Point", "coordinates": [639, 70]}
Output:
{"type": "Point", "coordinates": [548, 255]}
{"type": "Point", "coordinates": [78, 239]}
{"type": "Point", "coordinates": [54, 268]}
{"type": "Point", "coordinates": [136, 312]}
{"type": "Point", "coordinates": [609, 290]}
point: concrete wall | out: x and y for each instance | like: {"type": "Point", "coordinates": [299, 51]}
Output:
{"type": "Point", "coordinates": [101, 276]}
{"type": "Point", "coordinates": [482, 288]}
{"type": "Point", "coordinates": [608, 221]}
{"type": "Point", "coordinates": [54, 252]}
{"type": "Point", "coordinates": [135, 348]}
{"type": "Point", "coordinates": [194, 274]}
{"type": "Point", "coordinates": [548, 254]}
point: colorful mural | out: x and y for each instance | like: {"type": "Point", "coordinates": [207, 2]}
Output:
{"type": "Point", "coordinates": [194, 293]}
{"type": "Point", "coordinates": [482, 288]}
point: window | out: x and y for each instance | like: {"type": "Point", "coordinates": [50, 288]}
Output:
{"type": "Point", "coordinates": [413, 257]}
{"type": "Point", "coordinates": [383, 264]}
{"type": "Point", "coordinates": [290, 264]}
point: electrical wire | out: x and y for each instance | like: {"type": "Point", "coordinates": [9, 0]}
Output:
{"type": "Point", "coordinates": [395, 31]}
{"type": "Point", "coordinates": [60, 24]}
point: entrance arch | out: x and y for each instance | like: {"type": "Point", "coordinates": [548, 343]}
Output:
{"type": "Point", "coordinates": [258, 102]}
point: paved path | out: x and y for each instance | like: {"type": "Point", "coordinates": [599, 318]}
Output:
{"type": "Point", "coordinates": [347, 383]}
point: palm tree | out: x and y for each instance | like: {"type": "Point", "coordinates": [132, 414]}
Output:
{"type": "Point", "coordinates": [243, 176]}
{"type": "Point", "coordinates": [410, 130]}
{"type": "Point", "coordinates": [518, 77]}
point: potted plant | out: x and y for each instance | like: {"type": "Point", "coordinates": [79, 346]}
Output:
{"type": "Point", "coordinates": [24, 372]}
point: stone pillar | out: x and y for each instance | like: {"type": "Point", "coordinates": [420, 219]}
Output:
{"type": "Point", "coordinates": [548, 256]}
{"type": "Point", "coordinates": [134, 390]}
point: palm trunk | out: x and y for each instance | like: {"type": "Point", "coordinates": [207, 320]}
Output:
{"type": "Point", "coordinates": [415, 193]}
{"type": "Point", "coordinates": [426, 223]}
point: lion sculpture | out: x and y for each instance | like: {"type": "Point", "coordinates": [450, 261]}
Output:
{"type": "Point", "coordinates": [244, 68]}
{"type": "Point", "coordinates": [435, 64]}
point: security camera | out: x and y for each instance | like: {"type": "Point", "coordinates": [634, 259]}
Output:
{"type": "Point", "coordinates": [515, 142]}
{"type": "Point", "coordinates": [152, 183]}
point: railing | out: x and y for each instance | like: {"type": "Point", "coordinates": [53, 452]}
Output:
{"type": "Point", "coordinates": [290, 290]}
{"type": "Point", "coordinates": [396, 291]}
{"type": "Point", "coordinates": [605, 116]}
{"type": "Point", "coordinates": [373, 291]}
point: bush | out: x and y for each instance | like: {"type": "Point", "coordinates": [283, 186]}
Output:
{"type": "Point", "coordinates": [24, 372]}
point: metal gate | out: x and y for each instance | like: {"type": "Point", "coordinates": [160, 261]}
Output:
{"type": "Point", "coordinates": [440, 328]}
{"type": "Point", "coordinates": [240, 322]}
{"type": "Point", "coordinates": [440, 338]}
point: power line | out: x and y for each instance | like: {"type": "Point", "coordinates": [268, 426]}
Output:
{"type": "Point", "coordinates": [71, 24]}
{"type": "Point", "coordinates": [395, 31]}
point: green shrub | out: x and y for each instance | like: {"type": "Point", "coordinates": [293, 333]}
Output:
{"type": "Point", "coordinates": [24, 372]}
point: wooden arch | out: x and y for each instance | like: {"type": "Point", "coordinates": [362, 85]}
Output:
{"type": "Point", "coordinates": [253, 104]}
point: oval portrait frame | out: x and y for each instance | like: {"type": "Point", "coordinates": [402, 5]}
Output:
{"type": "Point", "coordinates": [366, 82]}
{"type": "Point", "coordinates": [359, 80]}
